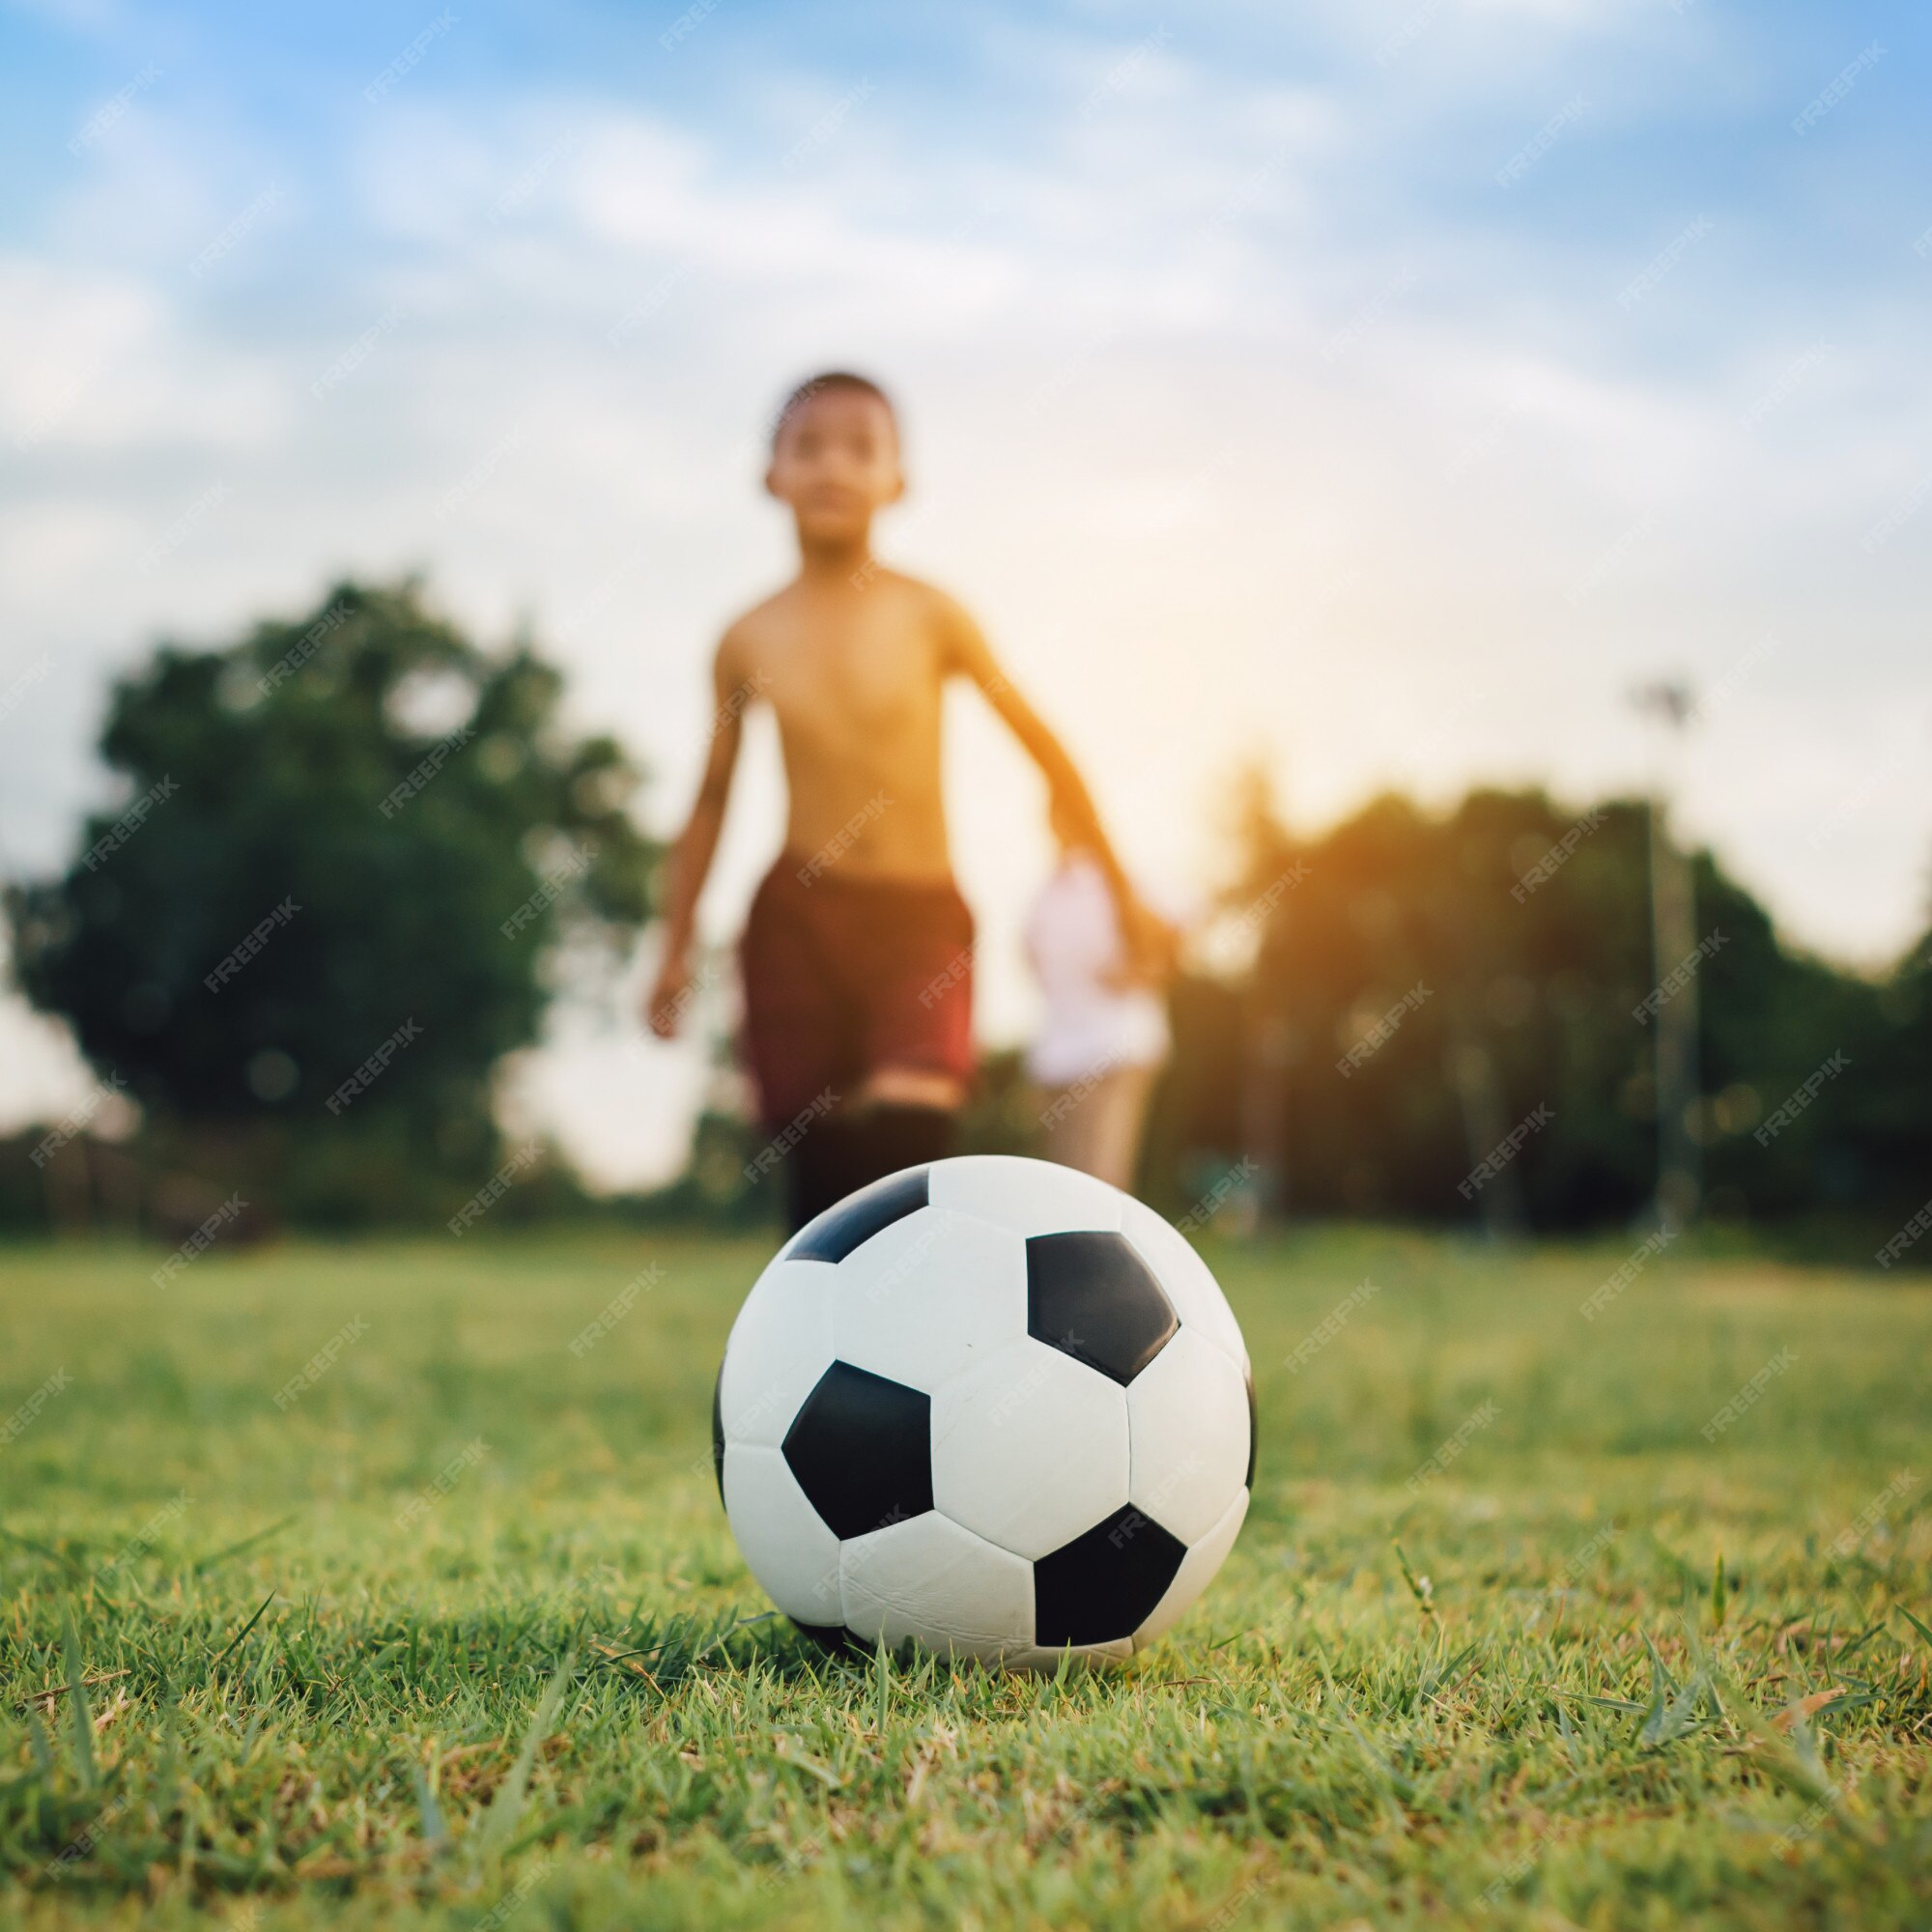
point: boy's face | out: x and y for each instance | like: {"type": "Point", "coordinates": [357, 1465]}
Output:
{"type": "Point", "coordinates": [835, 463]}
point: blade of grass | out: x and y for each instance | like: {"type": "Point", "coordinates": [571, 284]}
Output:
{"type": "Point", "coordinates": [1422, 1594]}
{"type": "Point", "coordinates": [207, 1563]}
{"type": "Point", "coordinates": [46, 1700]}
{"type": "Point", "coordinates": [1389, 1786]}
{"type": "Point", "coordinates": [76, 1689]}
{"type": "Point", "coordinates": [1661, 1680]}
{"type": "Point", "coordinates": [1818, 1704]}
{"type": "Point", "coordinates": [1790, 1760]}
{"type": "Point", "coordinates": [730, 1628]}
{"type": "Point", "coordinates": [1668, 1723]}
{"type": "Point", "coordinates": [1859, 1642]}
{"type": "Point", "coordinates": [1443, 1680]}
{"type": "Point", "coordinates": [1787, 1761]}
{"type": "Point", "coordinates": [506, 1807]}
{"type": "Point", "coordinates": [60, 1556]}
{"type": "Point", "coordinates": [36, 1734]}
{"type": "Point", "coordinates": [244, 1631]}
{"type": "Point", "coordinates": [435, 1834]}
{"type": "Point", "coordinates": [169, 1778]}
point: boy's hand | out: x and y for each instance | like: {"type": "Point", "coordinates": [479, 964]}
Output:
{"type": "Point", "coordinates": [670, 995]}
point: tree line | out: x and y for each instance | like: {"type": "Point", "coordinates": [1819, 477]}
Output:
{"type": "Point", "coordinates": [1453, 1016]}
{"type": "Point", "coordinates": [359, 847]}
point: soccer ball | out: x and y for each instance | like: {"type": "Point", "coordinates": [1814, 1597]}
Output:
{"type": "Point", "coordinates": [992, 1404]}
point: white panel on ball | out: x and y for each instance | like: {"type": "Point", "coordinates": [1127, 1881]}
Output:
{"type": "Point", "coordinates": [1190, 1284]}
{"type": "Point", "coordinates": [1030, 1449]}
{"type": "Point", "coordinates": [791, 1552]}
{"type": "Point", "coordinates": [1197, 1570]}
{"type": "Point", "coordinates": [1187, 1434]}
{"type": "Point", "coordinates": [1030, 1197]}
{"type": "Point", "coordinates": [928, 1297]}
{"type": "Point", "coordinates": [779, 1346]}
{"type": "Point", "coordinates": [933, 1581]}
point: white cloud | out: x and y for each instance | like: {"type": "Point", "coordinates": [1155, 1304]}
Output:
{"type": "Point", "coordinates": [96, 17]}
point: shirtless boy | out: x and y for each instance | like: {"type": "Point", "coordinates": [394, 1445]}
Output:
{"type": "Point", "coordinates": [857, 953]}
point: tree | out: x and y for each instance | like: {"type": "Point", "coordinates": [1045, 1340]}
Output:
{"type": "Point", "coordinates": [351, 841]}
{"type": "Point", "coordinates": [1448, 986]}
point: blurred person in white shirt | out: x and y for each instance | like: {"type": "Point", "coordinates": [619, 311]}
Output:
{"type": "Point", "coordinates": [1103, 1038]}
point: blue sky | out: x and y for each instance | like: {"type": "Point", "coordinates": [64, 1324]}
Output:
{"type": "Point", "coordinates": [1255, 414]}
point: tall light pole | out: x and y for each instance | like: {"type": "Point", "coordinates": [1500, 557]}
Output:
{"type": "Point", "coordinates": [1679, 1164]}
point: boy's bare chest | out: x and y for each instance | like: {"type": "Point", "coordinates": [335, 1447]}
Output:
{"type": "Point", "coordinates": [860, 681]}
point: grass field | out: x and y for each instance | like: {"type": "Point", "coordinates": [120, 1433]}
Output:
{"type": "Point", "coordinates": [504, 1677]}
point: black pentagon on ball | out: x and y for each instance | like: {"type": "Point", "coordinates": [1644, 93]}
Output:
{"type": "Point", "coordinates": [1254, 1431]}
{"type": "Point", "coordinates": [1091, 1296]}
{"type": "Point", "coordinates": [1103, 1585]}
{"type": "Point", "coordinates": [835, 1639]}
{"type": "Point", "coordinates": [836, 1233]}
{"type": "Point", "coordinates": [718, 1430]}
{"type": "Point", "coordinates": [860, 1447]}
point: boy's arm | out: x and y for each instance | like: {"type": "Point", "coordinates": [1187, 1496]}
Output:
{"type": "Point", "coordinates": [1149, 939]}
{"type": "Point", "coordinates": [691, 856]}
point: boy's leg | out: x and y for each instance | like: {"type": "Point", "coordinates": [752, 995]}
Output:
{"type": "Point", "coordinates": [799, 1037]}
{"type": "Point", "coordinates": [817, 1173]}
{"type": "Point", "coordinates": [883, 1134]}
{"type": "Point", "coordinates": [911, 1087]}
{"type": "Point", "coordinates": [902, 1118]}
{"type": "Point", "coordinates": [917, 1034]}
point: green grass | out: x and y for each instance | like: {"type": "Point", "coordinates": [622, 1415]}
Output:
{"type": "Point", "coordinates": [1536, 1710]}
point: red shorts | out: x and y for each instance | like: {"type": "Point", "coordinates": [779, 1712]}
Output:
{"type": "Point", "coordinates": [845, 975]}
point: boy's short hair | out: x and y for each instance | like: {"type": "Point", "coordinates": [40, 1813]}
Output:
{"type": "Point", "coordinates": [818, 385]}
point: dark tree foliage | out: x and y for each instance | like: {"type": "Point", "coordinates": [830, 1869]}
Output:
{"type": "Point", "coordinates": [406, 815]}
{"type": "Point", "coordinates": [1474, 999]}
